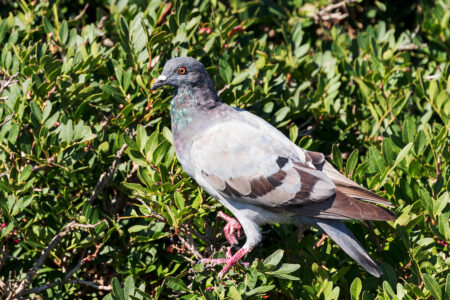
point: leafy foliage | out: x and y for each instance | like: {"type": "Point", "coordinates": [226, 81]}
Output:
{"type": "Point", "coordinates": [83, 141]}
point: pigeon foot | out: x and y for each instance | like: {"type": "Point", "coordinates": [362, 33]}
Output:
{"type": "Point", "coordinates": [232, 230]}
{"type": "Point", "coordinates": [231, 260]}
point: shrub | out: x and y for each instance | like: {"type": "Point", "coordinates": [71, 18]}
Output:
{"type": "Point", "coordinates": [95, 205]}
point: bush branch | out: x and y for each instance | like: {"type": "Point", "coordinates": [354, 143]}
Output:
{"type": "Point", "coordinates": [19, 289]}
{"type": "Point", "coordinates": [7, 119]}
{"type": "Point", "coordinates": [107, 175]}
{"type": "Point", "coordinates": [7, 82]}
{"type": "Point", "coordinates": [91, 284]}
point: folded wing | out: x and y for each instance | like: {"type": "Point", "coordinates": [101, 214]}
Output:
{"type": "Point", "coordinates": [250, 164]}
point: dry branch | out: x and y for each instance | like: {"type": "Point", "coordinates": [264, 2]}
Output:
{"type": "Point", "coordinates": [9, 118]}
{"type": "Point", "coordinates": [81, 14]}
{"type": "Point", "coordinates": [92, 285]}
{"type": "Point", "coordinates": [153, 214]}
{"type": "Point", "coordinates": [7, 82]}
{"type": "Point", "coordinates": [226, 87]}
{"type": "Point", "coordinates": [107, 175]}
{"type": "Point", "coordinates": [409, 47]}
{"type": "Point", "coordinates": [326, 13]}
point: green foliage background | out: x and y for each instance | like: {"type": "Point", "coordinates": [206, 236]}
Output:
{"type": "Point", "coordinates": [84, 141]}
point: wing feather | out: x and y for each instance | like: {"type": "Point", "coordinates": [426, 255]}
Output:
{"type": "Point", "coordinates": [351, 188]}
{"type": "Point", "coordinates": [244, 162]}
{"type": "Point", "coordinates": [252, 162]}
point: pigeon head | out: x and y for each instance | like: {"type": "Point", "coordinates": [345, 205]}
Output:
{"type": "Point", "coordinates": [184, 72]}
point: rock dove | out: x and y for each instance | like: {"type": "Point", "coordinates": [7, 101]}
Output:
{"type": "Point", "coordinates": [257, 173]}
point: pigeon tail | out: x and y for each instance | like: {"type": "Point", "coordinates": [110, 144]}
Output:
{"type": "Point", "coordinates": [337, 231]}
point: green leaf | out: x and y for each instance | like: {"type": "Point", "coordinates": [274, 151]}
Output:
{"type": "Point", "coordinates": [66, 132]}
{"type": "Point", "coordinates": [356, 288]}
{"type": "Point", "coordinates": [141, 137]}
{"type": "Point", "coordinates": [13, 133]}
{"type": "Point", "coordinates": [234, 294]}
{"type": "Point", "coordinates": [275, 258]}
{"type": "Point", "coordinates": [137, 157]}
{"type": "Point", "coordinates": [389, 150]}
{"type": "Point", "coordinates": [3, 30]}
{"type": "Point", "coordinates": [420, 142]}
{"type": "Point", "coordinates": [285, 269]}
{"type": "Point", "coordinates": [48, 26]}
{"type": "Point", "coordinates": [137, 228]}
{"type": "Point", "coordinates": [285, 276]}
{"type": "Point", "coordinates": [160, 152]}
{"type": "Point", "coordinates": [281, 113]}
{"type": "Point", "coordinates": [47, 110]}
{"type": "Point", "coordinates": [352, 161]}
{"type": "Point", "coordinates": [176, 284]}
{"type": "Point", "coordinates": [179, 200]}
{"type": "Point", "coordinates": [26, 172]}
{"type": "Point", "coordinates": [112, 90]}
{"type": "Point", "coordinates": [126, 79]}
{"type": "Point", "coordinates": [433, 90]}
{"type": "Point", "coordinates": [240, 78]}
{"type": "Point", "coordinates": [376, 162]}
{"type": "Point", "coordinates": [337, 157]}
{"type": "Point", "coordinates": [209, 44]}
{"type": "Point", "coordinates": [134, 186]}
{"type": "Point", "coordinates": [117, 291]}
{"type": "Point", "coordinates": [426, 200]}
{"type": "Point", "coordinates": [130, 142]}
{"type": "Point", "coordinates": [443, 225]}
{"type": "Point", "coordinates": [167, 134]}
{"type": "Point", "coordinates": [402, 154]}
{"type": "Point", "coordinates": [225, 71]}
{"type": "Point", "coordinates": [151, 145]}
{"type": "Point", "coordinates": [63, 32]}
{"type": "Point", "coordinates": [447, 288]}
{"type": "Point", "coordinates": [36, 111]}
{"type": "Point", "coordinates": [440, 204]}
{"type": "Point", "coordinates": [388, 291]}
{"type": "Point", "coordinates": [408, 131]}
{"type": "Point", "coordinates": [260, 290]}
{"type": "Point", "coordinates": [432, 285]}
{"type": "Point", "coordinates": [129, 286]}
{"type": "Point", "coordinates": [5, 187]}
{"type": "Point", "coordinates": [293, 133]}
{"type": "Point", "coordinates": [5, 231]}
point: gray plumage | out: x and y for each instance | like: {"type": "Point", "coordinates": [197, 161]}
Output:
{"type": "Point", "coordinates": [258, 173]}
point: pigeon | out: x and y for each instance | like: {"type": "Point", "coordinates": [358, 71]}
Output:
{"type": "Point", "coordinates": [257, 173]}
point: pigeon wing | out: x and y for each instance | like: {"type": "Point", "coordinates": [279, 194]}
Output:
{"type": "Point", "coordinates": [249, 164]}
{"type": "Point", "coordinates": [256, 164]}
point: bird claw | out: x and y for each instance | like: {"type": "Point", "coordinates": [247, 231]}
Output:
{"type": "Point", "coordinates": [232, 233]}
{"type": "Point", "coordinates": [232, 230]}
{"type": "Point", "coordinates": [229, 261]}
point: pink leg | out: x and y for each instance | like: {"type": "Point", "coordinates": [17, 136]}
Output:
{"type": "Point", "coordinates": [217, 261]}
{"type": "Point", "coordinates": [232, 233]}
{"type": "Point", "coordinates": [232, 230]}
{"type": "Point", "coordinates": [231, 260]}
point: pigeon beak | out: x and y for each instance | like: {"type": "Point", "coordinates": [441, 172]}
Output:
{"type": "Point", "coordinates": [160, 81]}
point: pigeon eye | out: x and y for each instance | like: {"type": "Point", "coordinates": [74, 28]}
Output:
{"type": "Point", "coordinates": [182, 70]}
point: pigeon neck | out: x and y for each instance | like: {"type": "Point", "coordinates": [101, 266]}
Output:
{"type": "Point", "coordinates": [188, 103]}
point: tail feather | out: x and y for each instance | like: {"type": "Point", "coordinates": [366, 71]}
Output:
{"type": "Point", "coordinates": [337, 231]}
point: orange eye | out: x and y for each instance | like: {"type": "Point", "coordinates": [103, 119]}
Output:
{"type": "Point", "coordinates": [182, 70]}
